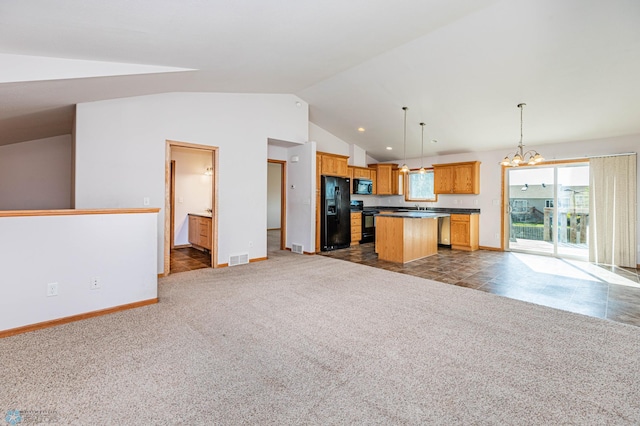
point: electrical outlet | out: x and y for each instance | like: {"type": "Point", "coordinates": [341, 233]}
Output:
{"type": "Point", "coordinates": [52, 289]}
{"type": "Point", "coordinates": [497, 236]}
{"type": "Point", "coordinates": [95, 283]}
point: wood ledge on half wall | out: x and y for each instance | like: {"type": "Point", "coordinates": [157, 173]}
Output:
{"type": "Point", "coordinates": [75, 212]}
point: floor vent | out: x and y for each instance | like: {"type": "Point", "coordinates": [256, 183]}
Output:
{"type": "Point", "coordinates": [239, 259]}
{"type": "Point", "coordinates": [297, 248]}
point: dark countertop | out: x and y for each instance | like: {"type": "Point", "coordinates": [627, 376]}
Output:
{"type": "Point", "coordinates": [414, 215]}
{"type": "Point", "coordinates": [428, 210]}
{"type": "Point", "coordinates": [202, 214]}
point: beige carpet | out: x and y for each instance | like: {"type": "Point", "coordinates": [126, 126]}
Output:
{"type": "Point", "coordinates": [311, 340]}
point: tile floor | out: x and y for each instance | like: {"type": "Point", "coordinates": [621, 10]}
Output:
{"type": "Point", "coordinates": [595, 290]}
{"type": "Point", "coordinates": [188, 259]}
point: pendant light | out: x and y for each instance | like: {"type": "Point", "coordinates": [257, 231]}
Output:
{"type": "Point", "coordinates": [520, 156]}
{"type": "Point", "coordinates": [404, 168]}
{"type": "Point", "coordinates": [422, 169]}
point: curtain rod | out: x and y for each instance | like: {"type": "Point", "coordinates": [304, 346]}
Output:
{"type": "Point", "coordinates": [591, 156]}
{"type": "Point", "coordinates": [612, 155]}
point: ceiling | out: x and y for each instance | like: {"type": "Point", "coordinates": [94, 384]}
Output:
{"type": "Point", "coordinates": [461, 66]}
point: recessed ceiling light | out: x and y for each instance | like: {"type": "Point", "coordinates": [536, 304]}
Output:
{"type": "Point", "coordinates": [361, 129]}
{"type": "Point", "coordinates": [389, 148]}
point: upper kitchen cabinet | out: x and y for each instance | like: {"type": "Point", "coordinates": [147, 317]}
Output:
{"type": "Point", "coordinates": [361, 173]}
{"type": "Point", "coordinates": [398, 181]}
{"type": "Point", "coordinates": [332, 164]}
{"type": "Point", "coordinates": [384, 182]}
{"type": "Point", "coordinates": [457, 178]}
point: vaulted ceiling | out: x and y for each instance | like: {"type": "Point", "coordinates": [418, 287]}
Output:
{"type": "Point", "coordinates": [461, 66]}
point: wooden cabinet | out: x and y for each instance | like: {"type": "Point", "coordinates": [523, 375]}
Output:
{"type": "Point", "coordinates": [361, 173]}
{"type": "Point", "coordinates": [403, 239]}
{"type": "Point", "coordinates": [332, 164]}
{"type": "Point", "coordinates": [465, 231]}
{"type": "Point", "coordinates": [374, 179]}
{"type": "Point", "coordinates": [457, 178]}
{"type": "Point", "coordinates": [193, 229]}
{"type": "Point", "coordinates": [384, 183]}
{"type": "Point", "coordinates": [398, 181]}
{"type": "Point", "coordinates": [200, 231]}
{"type": "Point", "coordinates": [443, 179]}
{"type": "Point", "coordinates": [356, 228]}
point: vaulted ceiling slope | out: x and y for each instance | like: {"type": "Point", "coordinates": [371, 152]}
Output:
{"type": "Point", "coordinates": [461, 66]}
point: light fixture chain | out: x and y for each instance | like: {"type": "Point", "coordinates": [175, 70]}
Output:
{"type": "Point", "coordinates": [422, 148]}
{"type": "Point", "coordinates": [404, 137]}
{"type": "Point", "coordinates": [521, 108]}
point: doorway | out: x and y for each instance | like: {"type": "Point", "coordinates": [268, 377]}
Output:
{"type": "Point", "coordinates": [191, 219]}
{"type": "Point", "coordinates": [276, 205]}
{"type": "Point", "coordinates": [548, 209]}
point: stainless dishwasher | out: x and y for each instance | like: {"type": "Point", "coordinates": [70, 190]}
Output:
{"type": "Point", "coordinates": [444, 231]}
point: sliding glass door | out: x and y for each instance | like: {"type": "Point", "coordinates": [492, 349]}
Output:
{"type": "Point", "coordinates": [548, 209]}
{"type": "Point", "coordinates": [572, 223]}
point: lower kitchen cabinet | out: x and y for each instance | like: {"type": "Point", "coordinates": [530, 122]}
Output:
{"type": "Point", "coordinates": [356, 228]}
{"type": "Point", "coordinates": [465, 231]}
{"type": "Point", "coordinates": [200, 231]}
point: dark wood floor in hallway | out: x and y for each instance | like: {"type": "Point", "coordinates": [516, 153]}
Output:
{"type": "Point", "coordinates": [581, 287]}
{"type": "Point", "coordinates": [188, 259]}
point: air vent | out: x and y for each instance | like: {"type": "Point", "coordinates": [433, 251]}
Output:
{"type": "Point", "coordinates": [239, 259]}
{"type": "Point", "coordinates": [297, 248]}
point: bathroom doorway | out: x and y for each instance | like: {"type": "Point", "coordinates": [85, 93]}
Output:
{"type": "Point", "coordinates": [190, 207]}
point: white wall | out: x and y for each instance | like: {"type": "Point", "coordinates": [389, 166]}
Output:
{"type": "Point", "coordinates": [192, 190]}
{"type": "Point", "coordinates": [301, 200]}
{"type": "Point", "coordinates": [357, 156]}
{"type": "Point", "coordinates": [274, 197]}
{"type": "Point", "coordinates": [70, 250]}
{"type": "Point", "coordinates": [277, 152]}
{"type": "Point", "coordinates": [489, 199]}
{"type": "Point", "coordinates": [36, 175]}
{"type": "Point", "coordinates": [120, 155]}
{"type": "Point", "coordinates": [327, 142]}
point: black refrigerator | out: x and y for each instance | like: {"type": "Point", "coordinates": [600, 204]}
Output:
{"type": "Point", "coordinates": [335, 220]}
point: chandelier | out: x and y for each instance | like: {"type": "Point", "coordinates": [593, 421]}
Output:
{"type": "Point", "coordinates": [530, 157]}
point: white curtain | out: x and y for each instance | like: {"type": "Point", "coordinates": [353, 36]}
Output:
{"type": "Point", "coordinates": [612, 198]}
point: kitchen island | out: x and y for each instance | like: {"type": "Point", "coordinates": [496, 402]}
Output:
{"type": "Point", "coordinates": [406, 236]}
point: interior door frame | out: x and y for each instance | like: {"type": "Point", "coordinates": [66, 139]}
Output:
{"type": "Point", "coordinates": [172, 200]}
{"type": "Point", "coordinates": [283, 201]}
{"type": "Point", "coordinates": [504, 220]}
{"type": "Point", "coordinates": [168, 211]}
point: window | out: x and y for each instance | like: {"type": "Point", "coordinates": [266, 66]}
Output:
{"type": "Point", "coordinates": [520, 206]}
{"type": "Point", "coordinates": [420, 186]}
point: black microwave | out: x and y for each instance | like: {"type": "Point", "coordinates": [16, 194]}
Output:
{"type": "Point", "coordinates": [362, 186]}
